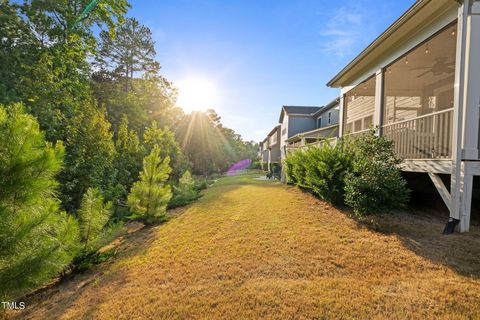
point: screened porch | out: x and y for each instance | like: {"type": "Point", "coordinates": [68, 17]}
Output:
{"type": "Point", "coordinates": [417, 95]}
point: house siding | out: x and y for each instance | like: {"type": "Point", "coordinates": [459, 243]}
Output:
{"type": "Point", "coordinates": [298, 124]}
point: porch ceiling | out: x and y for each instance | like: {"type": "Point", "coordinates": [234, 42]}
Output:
{"type": "Point", "coordinates": [413, 21]}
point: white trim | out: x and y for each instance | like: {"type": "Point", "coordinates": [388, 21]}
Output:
{"type": "Point", "coordinates": [427, 165]}
{"type": "Point", "coordinates": [457, 172]}
{"type": "Point", "coordinates": [419, 117]}
{"type": "Point", "coordinates": [379, 93]}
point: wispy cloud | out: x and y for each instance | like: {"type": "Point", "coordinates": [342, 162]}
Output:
{"type": "Point", "coordinates": [345, 29]}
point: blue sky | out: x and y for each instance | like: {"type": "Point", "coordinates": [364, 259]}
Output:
{"type": "Point", "coordinates": [263, 54]}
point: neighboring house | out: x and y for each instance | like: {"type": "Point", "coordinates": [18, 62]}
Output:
{"type": "Point", "coordinates": [274, 146]}
{"type": "Point", "coordinates": [264, 154]}
{"type": "Point", "coordinates": [259, 153]}
{"type": "Point", "coordinates": [325, 126]}
{"type": "Point", "coordinates": [419, 82]}
{"type": "Point", "coordinates": [294, 120]}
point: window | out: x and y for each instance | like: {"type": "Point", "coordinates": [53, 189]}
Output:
{"type": "Point", "coordinates": [319, 122]}
{"type": "Point", "coordinates": [359, 104]}
{"type": "Point", "coordinates": [329, 117]}
{"type": "Point", "coordinates": [422, 81]}
{"type": "Point", "coordinates": [273, 139]}
{"type": "Point", "coordinates": [367, 122]}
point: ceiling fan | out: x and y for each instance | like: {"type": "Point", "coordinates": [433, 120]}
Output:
{"type": "Point", "coordinates": [440, 67]}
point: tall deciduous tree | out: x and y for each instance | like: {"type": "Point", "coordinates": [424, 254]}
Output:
{"type": "Point", "coordinates": [128, 158]}
{"type": "Point", "coordinates": [90, 153]}
{"type": "Point", "coordinates": [154, 136]}
{"type": "Point", "coordinates": [37, 240]}
{"type": "Point", "coordinates": [150, 195]}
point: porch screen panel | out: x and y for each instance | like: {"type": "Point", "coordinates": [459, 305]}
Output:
{"type": "Point", "coordinates": [359, 107]}
{"type": "Point", "coordinates": [418, 98]}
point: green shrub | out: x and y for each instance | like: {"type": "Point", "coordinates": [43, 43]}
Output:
{"type": "Point", "coordinates": [374, 184]}
{"type": "Point", "coordinates": [201, 183]}
{"type": "Point", "coordinates": [185, 192]}
{"type": "Point", "coordinates": [256, 165]}
{"type": "Point", "coordinates": [295, 168]}
{"type": "Point", "coordinates": [93, 258]}
{"type": "Point", "coordinates": [325, 171]}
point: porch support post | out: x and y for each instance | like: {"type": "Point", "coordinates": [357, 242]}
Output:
{"type": "Point", "coordinates": [341, 114]}
{"type": "Point", "coordinates": [471, 89]}
{"type": "Point", "coordinates": [466, 111]}
{"type": "Point", "coordinates": [378, 113]}
{"type": "Point", "coordinates": [466, 197]}
{"type": "Point", "coordinates": [269, 158]}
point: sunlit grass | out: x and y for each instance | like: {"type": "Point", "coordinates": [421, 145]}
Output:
{"type": "Point", "coordinates": [254, 249]}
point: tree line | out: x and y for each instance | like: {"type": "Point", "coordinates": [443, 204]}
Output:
{"type": "Point", "coordinates": [87, 120]}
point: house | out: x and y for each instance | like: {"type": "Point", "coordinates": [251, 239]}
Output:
{"type": "Point", "coordinates": [419, 83]}
{"type": "Point", "coordinates": [326, 126]}
{"type": "Point", "coordinates": [294, 120]}
{"type": "Point", "coordinates": [274, 147]}
{"type": "Point", "coordinates": [263, 153]}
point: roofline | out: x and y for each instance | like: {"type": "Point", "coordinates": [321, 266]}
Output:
{"type": "Point", "coordinates": [301, 106]}
{"type": "Point", "coordinates": [282, 111]}
{"type": "Point", "coordinates": [300, 134]}
{"type": "Point", "coordinates": [417, 6]}
{"type": "Point", "coordinates": [329, 106]}
{"type": "Point", "coordinates": [273, 131]}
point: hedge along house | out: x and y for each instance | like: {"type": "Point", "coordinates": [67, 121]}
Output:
{"type": "Point", "coordinates": [419, 82]}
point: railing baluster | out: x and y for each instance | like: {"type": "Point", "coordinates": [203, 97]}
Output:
{"type": "Point", "coordinates": [424, 137]}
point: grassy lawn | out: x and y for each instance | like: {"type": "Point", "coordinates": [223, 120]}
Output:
{"type": "Point", "coordinates": [258, 249]}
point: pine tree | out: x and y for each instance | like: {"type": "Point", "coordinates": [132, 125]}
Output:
{"type": "Point", "coordinates": [93, 215]}
{"type": "Point", "coordinates": [37, 240]}
{"type": "Point", "coordinates": [150, 195]}
{"type": "Point", "coordinates": [186, 187]}
{"type": "Point", "coordinates": [154, 136]}
{"type": "Point", "coordinates": [130, 52]}
{"type": "Point", "coordinates": [185, 192]}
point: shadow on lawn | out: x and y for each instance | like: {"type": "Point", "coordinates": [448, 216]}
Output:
{"type": "Point", "coordinates": [420, 230]}
{"type": "Point", "coordinates": [55, 300]}
{"type": "Point", "coordinates": [422, 234]}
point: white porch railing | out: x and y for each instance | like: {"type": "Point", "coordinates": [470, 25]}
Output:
{"type": "Point", "coordinates": [425, 137]}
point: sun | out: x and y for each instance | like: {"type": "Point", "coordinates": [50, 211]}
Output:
{"type": "Point", "coordinates": [197, 94]}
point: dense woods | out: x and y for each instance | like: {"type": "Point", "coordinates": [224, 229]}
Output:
{"type": "Point", "coordinates": [87, 120]}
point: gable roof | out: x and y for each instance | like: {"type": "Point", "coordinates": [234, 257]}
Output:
{"type": "Point", "coordinates": [329, 106]}
{"type": "Point", "coordinates": [300, 110]}
{"type": "Point", "coordinates": [277, 128]}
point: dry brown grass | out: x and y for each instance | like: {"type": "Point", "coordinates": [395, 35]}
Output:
{"type": "Point", "coordinates": [258, 249]}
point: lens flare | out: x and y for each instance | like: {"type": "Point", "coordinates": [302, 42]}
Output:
{"type": "Point", "coordinates": [239, 167]}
